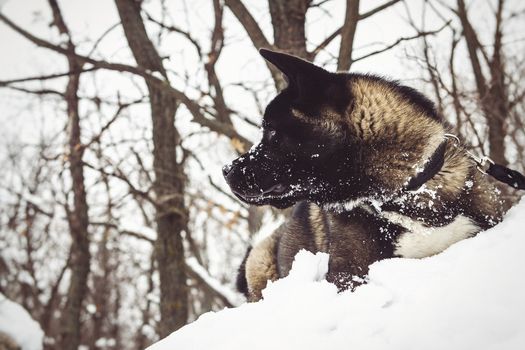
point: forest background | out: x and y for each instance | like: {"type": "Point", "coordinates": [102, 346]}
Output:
{"type": "Point", "coordinates": [116, 227]}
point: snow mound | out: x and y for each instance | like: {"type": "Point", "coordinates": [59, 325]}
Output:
{"type": "Point", "coordinates": [16, 322]}
{"type": "Point", "coordinates": [472, 296]}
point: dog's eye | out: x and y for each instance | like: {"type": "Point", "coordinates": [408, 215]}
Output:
{"type": "Point", "coordinates": [272, 133]}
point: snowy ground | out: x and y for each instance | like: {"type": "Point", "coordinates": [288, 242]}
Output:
{"type": "Point", "coordinates": [16, 322]}
{"type": "Point", "coordinates": [472, 296]}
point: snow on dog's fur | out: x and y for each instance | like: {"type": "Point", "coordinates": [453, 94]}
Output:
{"type": "Point", "coordinates": [367, 164]}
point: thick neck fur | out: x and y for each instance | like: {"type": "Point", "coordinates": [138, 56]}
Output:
{"type": "Point", "coordinates": [400, 137]}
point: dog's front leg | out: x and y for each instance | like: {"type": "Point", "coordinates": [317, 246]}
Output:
{"type": "Point", "coordinates": [356, 240]}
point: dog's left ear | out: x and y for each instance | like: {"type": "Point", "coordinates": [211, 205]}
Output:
{"type": "Point", "coordinates": [302, 75]}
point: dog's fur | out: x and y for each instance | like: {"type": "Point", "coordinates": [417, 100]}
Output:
{"type": "Point", "coordinates": [346, 149]}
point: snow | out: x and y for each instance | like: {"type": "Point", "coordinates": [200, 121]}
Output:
{"type": "Point", "coordinates": [468, 297]}
{"type": "Point", "coordinates": [155, 74]}
{"type": "Point", "coordinates": [16, 322]}
{"type": "Point", "coordinates": [105, 342]}
{"type": "Point", "coordinates": [232, 297]}
{"type": "Point", "coordinates": [37, 201]}
{"type": "Point", "coordinates": [144, 231]}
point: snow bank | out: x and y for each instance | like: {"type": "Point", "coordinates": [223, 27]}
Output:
{"type": "Point", "coordinates": [16, 322]}
{"type": "Point", "coordinates": [472, 296]}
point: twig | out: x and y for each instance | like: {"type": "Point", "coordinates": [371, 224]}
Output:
{"type": "Point", "coordinates": [336, 33]}
{"type": "Point", "coordinates": [193, 107]}
{"type": "Point", "coordinates": [400, 40]}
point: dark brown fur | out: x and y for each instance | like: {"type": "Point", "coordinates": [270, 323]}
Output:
{"type": "Point", "coordinates": [359, 139]}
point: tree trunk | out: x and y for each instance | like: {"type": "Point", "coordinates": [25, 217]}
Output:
{"type": "Point", "coordinates": [493, 98]}
{"type": "Point", "coordinates": [498, 102]}
{"type": "Point", "coordinates": [347, 35]}
{"type": "Point", "coordinates": [78, 220]}
{"type": "Point", "coordinates": [172, 215]}
{"type": "Point", "coordinates": [102, 284]}
{"type": "Point", "coordinates": [288, 21]}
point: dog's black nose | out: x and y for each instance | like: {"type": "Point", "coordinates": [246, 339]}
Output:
{"type": "Point", "coordinates": [226, 169]}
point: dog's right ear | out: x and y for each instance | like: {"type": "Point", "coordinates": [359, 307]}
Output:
{"type": "Point", "coordinates": [301, 74]}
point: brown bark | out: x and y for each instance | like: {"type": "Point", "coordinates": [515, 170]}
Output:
{"type": "Point", "coordinates": [256, 35]}
{"type": "Point", "coordinates": [288, 21]}
{"type": "Point", "coordinates": [493, 97]}
{"type": "Point", "coordinates": [141, 339]}
{"type": "Point", "coordinates": [101, 292]}
{"type": "Point", "coordinates": [115, 332]}
{"type": "Point", "coordinates": [78, 223]}
{"type": "Point", "coordinates": [433, 76]}
{"type": "Point", "coordinates": [77, 216]}
{"type": "Point", "coordinates": [347, 35]}
{"type": "Point", "coordinates": [497, 105]}
{"type": "Point", "coordinates": [171, 215]}
{"type": "Point", "coordinates": [454, 86]}
{"type": "Point", "coordinates": [102, 282]}
{"type": "Point", "coordinates": [472, 46]}
{"type": "Point", "coordinates": [249, 23]}
{"type": "Point", "coordinates": [217, 43]}
{"type": "Point", "coordinates": [32, 290]}
{"type": "Point", "coordinates": [47, 314]}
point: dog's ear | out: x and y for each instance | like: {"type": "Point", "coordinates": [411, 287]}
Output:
{"type": "Point", "coordinates": [302, 75]}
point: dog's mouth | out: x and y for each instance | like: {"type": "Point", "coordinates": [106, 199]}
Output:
{"type": "Point", "coordinates": [275, 192]}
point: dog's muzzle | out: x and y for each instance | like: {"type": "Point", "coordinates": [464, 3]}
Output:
{"type": "Point", "coordinates": [248, 184]}
{"type": "Point", "coordinates": [226, 169]}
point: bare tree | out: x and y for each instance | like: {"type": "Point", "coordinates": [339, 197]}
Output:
{"type": "Point", "coordinates": [78, 215]}
{"type": "Point", "coordinates": [495, 91]}
{"type": "Point", "coordinates": [169, 184]}
{"type": "Point", "coordinates": [492, 92]}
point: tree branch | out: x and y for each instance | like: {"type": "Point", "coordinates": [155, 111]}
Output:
{"type": "Point", "coordinates": [255, 34]}
{"type": "Point", "coordinates": [336, 33]}
{"type": "Point", "coordinates": [347, 35]}
{"type": "Point", "coordinates": [193, 107]}
{"type": "Point", "coordinates": [400, 40]}
{"type": "Point", "coordinates": [248, 22]}
{"type": "Point", "coordinates": [44, 77]}
{"type": "Point", "coordinates": [174, 29]}
{"type": "Point", "coordinates": [378, 9]}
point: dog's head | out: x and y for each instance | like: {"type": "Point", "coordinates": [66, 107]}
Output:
{"type": "Point", "coordinates": [310, 149]}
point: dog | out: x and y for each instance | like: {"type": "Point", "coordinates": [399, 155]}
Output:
{"type": "Point", "coordinates": [370, 169]}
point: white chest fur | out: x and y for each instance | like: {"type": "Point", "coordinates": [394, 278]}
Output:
{"type": "Point", "coordinates": [421, 241]}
